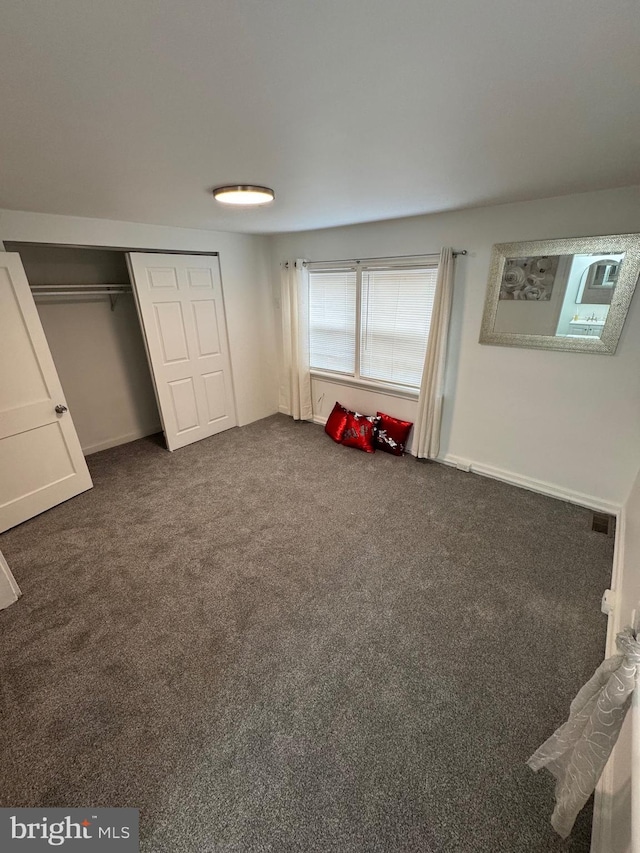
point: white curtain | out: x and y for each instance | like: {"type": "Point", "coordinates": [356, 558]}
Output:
{"type": "Point", "coordinates": [427, 426]}
{"type": "Point", "coordinates": [577, 752]}
{"type": "Point", "coordinates": [294, 301]}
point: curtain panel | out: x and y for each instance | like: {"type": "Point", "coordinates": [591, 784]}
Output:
{"type": "Point", "coordinates": [429, 418]}
{"type": "Point", "coordinates": [294, 301]}
{"type": "Point", "coordinates": [578, 751]}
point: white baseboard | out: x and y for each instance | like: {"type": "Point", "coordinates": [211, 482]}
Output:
{"type": "Point", "coordinates": [540, 486]}
{"type": "Point", "coordinates": [121, 439]}
{"type": "Point", "coordinates": [543, 488]}
{"type": "Point", "coordinates": [456, 462]}
{"type": "Point", "coordinates": [550, 489]}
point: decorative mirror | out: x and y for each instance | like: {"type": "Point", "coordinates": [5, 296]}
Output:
{"type": "Point", "coordinates": [570, 294]}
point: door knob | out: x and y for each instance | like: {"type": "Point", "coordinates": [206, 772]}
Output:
{"type": "Point", "coordinates": [60, 409]}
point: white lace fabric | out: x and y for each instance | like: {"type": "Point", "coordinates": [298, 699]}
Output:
{"type": "Point", "coordinates": [577, 752]}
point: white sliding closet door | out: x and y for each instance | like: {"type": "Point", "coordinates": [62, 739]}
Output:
{"type": "Point", "coordinates": [179, 300]}
{"type": "Point", "coordinates": [41, 461]}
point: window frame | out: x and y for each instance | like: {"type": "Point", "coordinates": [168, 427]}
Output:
{"type": "Point", "coordinates": [359, 266]}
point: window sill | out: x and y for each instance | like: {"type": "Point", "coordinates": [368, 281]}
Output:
{"type": "Point", "coordinates": [368, 385]}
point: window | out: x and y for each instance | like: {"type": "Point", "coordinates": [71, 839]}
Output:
{"type": "Point", "coordinates": [332, 320]}
{"type": "Point", "coordinates": [370, 320]}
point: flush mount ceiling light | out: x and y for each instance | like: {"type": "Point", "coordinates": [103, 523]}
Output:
{"type": "Point", "coordinates": [243, 194]}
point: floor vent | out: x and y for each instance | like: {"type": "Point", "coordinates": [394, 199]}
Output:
{"type": "Point", "coordinates": [602, 522]}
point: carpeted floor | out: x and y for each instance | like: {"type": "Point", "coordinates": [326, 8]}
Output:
{"type": "Point", "coordinates": [268, 642]}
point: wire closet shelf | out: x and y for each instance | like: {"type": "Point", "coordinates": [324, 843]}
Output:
{"type": "Point", "coordinates": [113, 291]}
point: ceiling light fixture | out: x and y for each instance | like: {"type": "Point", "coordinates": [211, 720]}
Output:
{"type": "Point", "coordinates": [243, 194]}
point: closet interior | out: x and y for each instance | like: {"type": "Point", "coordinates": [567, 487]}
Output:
{"type": "Point", "coordinates": [87, 309]}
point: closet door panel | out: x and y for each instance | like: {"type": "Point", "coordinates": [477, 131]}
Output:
{"type": "Point", "coordinates": [49, 462]}
{"type": "Point", "coordinates": [171, 332]}
{"type": "Point", "coordinates": [185, 406]}
{"type": "Point", "coordinates": [179, 299]}
{"type": "Point", "coordinates": [208, 335]}
{"type": "Point", "coordinates": [41, 461]}
{"type": "Point", "coordinates": [216, 394]}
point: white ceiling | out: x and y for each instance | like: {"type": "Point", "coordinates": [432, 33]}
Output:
{"type": "Point", "coordinates": [352, 110]}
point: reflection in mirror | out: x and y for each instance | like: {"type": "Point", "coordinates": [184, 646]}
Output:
{"type": "Point", "coordinates": [573, 292]}
{"type": "Point", "coordinates": [559, 294]}
{"type": "Point", "coordinates": [601, 277]}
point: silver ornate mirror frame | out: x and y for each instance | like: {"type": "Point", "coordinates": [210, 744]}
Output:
{"type": "Point", "coordinates": [608, 341]}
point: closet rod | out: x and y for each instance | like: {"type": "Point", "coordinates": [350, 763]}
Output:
{"type": "Point", "coordinates": [78, 292]}
{"type": "Point", "coordinates": [110, 290]}
{"type": "Point", "coordinates": [75, 287]}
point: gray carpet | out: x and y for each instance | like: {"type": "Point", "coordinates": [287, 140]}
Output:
{"type": "Point", "coordinates": [268, 642]}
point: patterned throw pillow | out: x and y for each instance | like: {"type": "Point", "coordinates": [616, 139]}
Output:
{"type": "Point", "coordinates": [392, 434]}
{"type": "Point", "coordinates": [336, 422]}
{"type": "Point", "coordinates": [360, 432]}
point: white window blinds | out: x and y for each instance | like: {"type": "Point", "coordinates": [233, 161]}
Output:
{"type": "Point", "coordinates": [396, 310]}
{"type": "Point", "coordinates": [332, 320]}
{"type": "Point", "coordinates": [370, 319]}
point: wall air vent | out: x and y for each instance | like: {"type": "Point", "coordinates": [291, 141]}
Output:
{"type": "Point", "coordinates": [602, 522]}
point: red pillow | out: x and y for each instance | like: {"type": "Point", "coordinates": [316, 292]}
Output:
{"type": "Point", "coordinates": [360, 432]}
{"type": "Point", "coordinates": [392, 434]}
{"type": "Point", "coordinates": [336, 422]}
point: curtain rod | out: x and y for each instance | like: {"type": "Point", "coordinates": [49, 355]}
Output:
{"type": "Point", "coordinates": [383, 258]}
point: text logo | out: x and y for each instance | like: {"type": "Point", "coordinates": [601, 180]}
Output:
{"type": "Point", "coordinates": [79, 830]}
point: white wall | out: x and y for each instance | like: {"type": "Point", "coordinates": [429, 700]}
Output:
{"type": "Point", "coordinates": [531, 415]}
{"type": "Point", "coordinates": [244, 263]}
{"type": "Point", "coordinates": [324, 395]}
{"type": "Point", "coordinates": [102, 365]}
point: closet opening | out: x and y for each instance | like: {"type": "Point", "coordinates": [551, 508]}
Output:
{"type": "Point", "coordinates": [86, 306]}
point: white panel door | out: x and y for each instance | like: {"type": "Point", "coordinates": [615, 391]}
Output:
{"type": "Point", "coordinates": [179, 300]}
{"type": "Point", "coordinates": [41, 461]}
